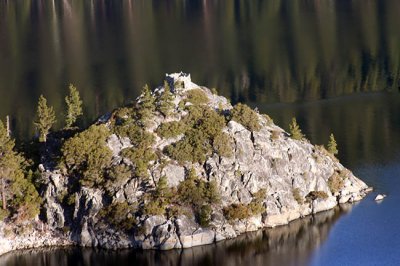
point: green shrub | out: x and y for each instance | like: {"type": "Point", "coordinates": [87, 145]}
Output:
{"type": "Point", "coordinates": [141, 153]}
{"type": "Point", "coordinates": [222, 145]}
{"type": "Point", "coordinates": [212, 194]}
{"type": "Point", "coordinates": [237, 212]}
{"type": "Point", "coordinates": [181, 105]}
{"type": "Point", "coordinates": [86, 155]}
{"type": "Point", "coordinates": [297, 196]}
{"type": "Point", "coordinates": [194, 147]}
{"type": "Point", "coordinates": [197, 97]}
{"type": "Point", "coordinates": [4, 214]}
{"type": "Point", "coordinates": [270, 121]}
{"type": "Point", "coordinates": [171, 129]}
{"type": "Point", "coordinates": [256, 205]}
{"type": "Point", "coordinates": [26, 200]}
{"type": "Point", "coordinates": [199, 195]}
{"type": "Point", "coordinates": [159, 199]}
{"type": "Point", "coordinates": [191, 191]}
{"type": "Point", "coordinates": [211, 123]}
{"type": "Point", "coordinates": [240, 211]}
{"type": "Point", "coordinates": [275, 134]}
{"type": "Point", "coordinates": [205, 125]}
{"type": "Point", "coordinates": [335, 182]}
{"type": "Point", "coordinates": [179, 84]}
{"type": "Point", "coordinates": [71, 199]}
{"type": "Point", "coordinates": [175, 210]}
{"type": "Point", "coordinates": [313, 195]}
{"type": "Point", "coordinates": [119, 215]}
{"type": "Point", "coordinates": [117, 175]}
{"type": "Point", "coordinates": [244, 115]}
{"type": "Point", "coordinates": [154, 207]}
{"type": "Point", "coordinates": [205, 215]}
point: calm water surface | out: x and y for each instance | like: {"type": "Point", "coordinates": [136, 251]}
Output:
{"type": "Point", "coordinates": [321, 61]}
{"type": "Point", "coordinates": [269, 51]}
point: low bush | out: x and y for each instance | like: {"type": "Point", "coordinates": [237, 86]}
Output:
{"type": "Point", "coordinates": [199, 195]}
{"type": "Point", "coordinates": [297, 196]}
{"type": "Point", "coordinates": [240, 211]}
{"type": "Point", "coordinates": [205, 215]}
{"type": "Point", "coordinates": [196, 97]}
{"type": "Point", "coordinates": [171, 129]}
{"type": "Point", "coordinates": [222, 145]}
{"type": "Point", "coordinates": [87, 156]}
{"type": "Point", "coordinates": [157, 202]}
{"type": "Point", "coordinates": [203, 136]}
{"type": "Point", "coordinates": [244, 115]}
{"type": "Point", "coordinates": [335, 182]}
{"type": "Point", "coordinates": [237, 212]}
{"type": "Point", "coordinates": [119, 215]}
{"type": "Point", "coordinates": [275, 134]}
{"type": "Point", "coordinates": [313, 195]}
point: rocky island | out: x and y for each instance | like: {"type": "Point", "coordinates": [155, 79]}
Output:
{"type": "Point", "coordinates": [177, 168]}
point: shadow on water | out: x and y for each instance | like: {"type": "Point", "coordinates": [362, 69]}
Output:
{"type": "Point", "coordinates": [291, 244]}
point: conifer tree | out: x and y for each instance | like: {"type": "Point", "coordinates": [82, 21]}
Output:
{"type": "Point", "coordinates": [332, 145]}
{"type": "Point", "coordinates": [15, 187]}
{"type": "Point", "coordinates": [74, 106]}
{"type": "Point", "coordinates": [295, 130]}
{"type": "Point", "coordinates": [166, 104]}
{"type": "Point", "coordinates": [45, 118]}
{"type": "Point", "coordinates": [146, 105]}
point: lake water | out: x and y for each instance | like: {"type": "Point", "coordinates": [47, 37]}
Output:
{"type": "Point", "coordinates": [321, 61]}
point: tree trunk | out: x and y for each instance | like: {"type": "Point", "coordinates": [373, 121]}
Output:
{"type": "Point", "coordinates": [3, 194]}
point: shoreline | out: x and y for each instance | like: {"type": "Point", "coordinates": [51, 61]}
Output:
{"type": "Point", "coordinates": [38, 240]}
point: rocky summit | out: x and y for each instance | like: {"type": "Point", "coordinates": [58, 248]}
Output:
{"type": "Point", "coordinates": [177, 168]}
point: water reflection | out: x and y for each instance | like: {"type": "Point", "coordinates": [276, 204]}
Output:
{"type": "Point", "coordinates": [264, 51]}
{"type": "Point", "coordinates": [365, 126]}
{"type": "Point", "coordinates": [286, 245]}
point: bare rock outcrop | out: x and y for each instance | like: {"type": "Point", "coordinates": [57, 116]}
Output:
{"type": "Point", "coordinates": [298, 178]}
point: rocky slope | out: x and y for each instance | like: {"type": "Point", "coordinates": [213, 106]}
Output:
{"type": "Point", "coordinates": [284, 179]}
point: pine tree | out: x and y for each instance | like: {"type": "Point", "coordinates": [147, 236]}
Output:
{"type": "Point", "coordinates": [162, 189]}
{"type": "Point", "coordinates": [6, 155]}
{"type": "Point", "coordinates": [74, 106]}
{"type": "Point", "coordinates": [16, 189]}
{"type": "Point", "coordinates": [166, 103]}
{"type": "Point", "coordinates": [45, 118]}
{"type": "Point", "coordinates": [295, 130]}
{"type": "Point", "coordinates": [332, 145]}
{"type": "Point", "coordinates": [146, 105]}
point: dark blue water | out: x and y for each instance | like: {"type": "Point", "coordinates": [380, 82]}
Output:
{"type": "Point", "coordinates": [370, 235]}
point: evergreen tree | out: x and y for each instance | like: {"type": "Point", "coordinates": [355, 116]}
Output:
{"type": "Point", "coordinates": [166, 103]}
{"type": "Point", "coordinates": [87, 156]}
{"type": "Point", "coordinates": [162, 189]}
{"type": "Point", "coordinates": [332, 145]}
{"type": "Point", "coordinates": [74, 106]}
{"type": "Point", "coordinates": [146, 104]}
{"type": "Point", "coordinates": [295, 130]}
{"type": "Point", "coordinates": [16, 189]}
{"type": "Point", "coordinates": [45, 118]}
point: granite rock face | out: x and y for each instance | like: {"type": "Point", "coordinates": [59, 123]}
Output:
{"type": "Point", "coordinates": [295, 174]}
